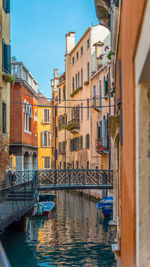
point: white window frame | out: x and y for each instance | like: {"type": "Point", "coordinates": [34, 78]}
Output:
{"type": "Point", "coordinates": [47, 157]}
{"type": "Point", "coordinates": [48, 110]}
{"type": "Point", "coordinates": [48, 139]}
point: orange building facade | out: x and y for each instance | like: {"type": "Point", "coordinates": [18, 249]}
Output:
{"type": "Point", "coordinates": [23, 118]}
{"type": "Point", "coordinates": [129, 127]}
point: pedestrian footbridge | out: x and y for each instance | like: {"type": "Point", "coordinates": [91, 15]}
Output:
{"type": "Point", "coordinates": [19, 192]}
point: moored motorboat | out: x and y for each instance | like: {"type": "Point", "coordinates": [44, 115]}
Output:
{"type": "Point", "coordinates": [45, 205]}
{"type": "Point", "coordinates": [105, 206]}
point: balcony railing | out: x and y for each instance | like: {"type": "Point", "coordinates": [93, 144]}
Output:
{"type": "Point", "coordinates": [101, 145]}
{"type": "Point", "coordinates": [73, 126]}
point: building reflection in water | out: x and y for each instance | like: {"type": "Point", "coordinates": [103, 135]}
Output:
{"type": "Point", "coordinates": [72, 234]}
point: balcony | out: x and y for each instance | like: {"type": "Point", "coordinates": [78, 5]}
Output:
{"type": "Point", "coordinates": [101, 146]}
{"type": "Point", "coordinates": [73, 126]}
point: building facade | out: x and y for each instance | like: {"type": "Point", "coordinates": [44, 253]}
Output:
{"type": "Point", "coordinates": [23, 118]}
{"type": "Point", "coordinates": [5, 80]}
{"type": "Point", "coordinates": [82, 103]}
{"type": "Point", "coordinates": [129, 127]}
{"type": "Point", "coordinates": [44, 133]}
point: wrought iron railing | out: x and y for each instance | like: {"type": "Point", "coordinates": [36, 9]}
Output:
{"type": "Point", "coordinates": [75, 177]}
{"type": "Point", "coordinates": [18, 198]}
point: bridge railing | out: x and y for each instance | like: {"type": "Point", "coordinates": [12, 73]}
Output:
{"type": "Point", "coordinates": [75, 177]}
{"type": "Point", "coordinates": [16, 199]}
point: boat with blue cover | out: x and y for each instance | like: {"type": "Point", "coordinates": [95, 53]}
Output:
{"type": "Point", "coordinates": [45, 205]}
{"type": "Point", "coordinates": [105, 206]}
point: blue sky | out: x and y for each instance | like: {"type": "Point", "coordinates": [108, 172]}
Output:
{"type": "Point", "coordinates": [38, 29]}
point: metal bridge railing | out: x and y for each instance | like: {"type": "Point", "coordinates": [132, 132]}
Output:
{"type": "Point", "coordinates": [17, 199]}
{"type": "Point", "coordinates": [75, 176]}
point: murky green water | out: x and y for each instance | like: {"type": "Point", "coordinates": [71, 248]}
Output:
{"type": "Point", "coordinates": [73, 236]}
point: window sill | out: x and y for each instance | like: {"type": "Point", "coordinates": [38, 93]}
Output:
{"type": "Point", "coordinates": [27, 132]}
{"type": "Point", "coordinates": [46, 146]}
{"type": "Point", "coordinates": [46, 122]}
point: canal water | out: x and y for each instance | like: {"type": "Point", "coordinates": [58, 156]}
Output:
{"type": "Point", "coordinates": [73, 236]}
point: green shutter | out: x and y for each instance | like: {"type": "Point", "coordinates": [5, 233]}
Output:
{"type": "Point", "coordinates": [106, 87]}
{"type": "Point", "coordinates": [7, 58]}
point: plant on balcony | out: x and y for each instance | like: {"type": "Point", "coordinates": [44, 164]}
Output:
{"type": "Point", "coordinates": [7, 77]}
{"type": "Point", "coordinates": [76, 91]}
{"type": "Point", "coordinates": [86, 83]}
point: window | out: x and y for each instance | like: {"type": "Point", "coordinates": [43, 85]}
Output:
{"type": "Point", "coordinates": [88, 43]}
{"type": "Point", "coordinates": [64, 165]}
{"type": "Point", "coordinates": [59, 147]}
{"type": "Point", "coordinates": [6, 6]}
{"type": "Point", "coordinates": [72, 83]}
{"type": "Point", "coordinates": [46, 162]}
{"type": "Point", "coordinates": [81, 142]}
{"type": "Point", "coordinates": [4, 119]}
{"type": "Point", "coordinates": [64, 93]}
{"type": "Point", "coordinates": [46, 116]}
{"type": "Point", "coordinates": [77, 56]}
{"type": "Point", "coordinates": [88, 71]}
{"type": "Point", "coordinates": [81, 111]}
{"type": "Point", "coordinates": [87, 141]}
{"type": "Point", "coordinates": [94, 95]}
{"type": "Point", "coordinates": [59, 164]}
{"type": "Point", "coordinates": [106, 85]}
{"type": "Point", "coordinates": [59, 95]}
{"type": "Point", "coordinates": [35, 115]}
{"type": "Point", "coordinates": [46, 138]}
{"type": "Point", "coordinates": [99, 130]}
{"type": "Point", "coordinates": [87, 164]}
{"type": "Point", "coordinates": [87, 108]}
{"type": "Point", "coordinates": [55, 131]}
{"type": "Point", "coordinates": [6, 58]}
{"type": "Point", "coordinates": [81, 51]}
{"type": "Point", "coordinates": [27, 109]}
{"type": "Point", "coordinates": [100, 94]}
{"type": "Point", "coordinates": [73, 61]}
{"type": "Point", "coordinates": [78, 79]}
{"type": "Point", "coordinates": [77, 164]}
{"type": "Point", "coordinates": [81, 77]}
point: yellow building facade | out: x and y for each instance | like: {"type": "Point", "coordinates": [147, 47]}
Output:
{"type": "Point", "coordinates": [44, 134]}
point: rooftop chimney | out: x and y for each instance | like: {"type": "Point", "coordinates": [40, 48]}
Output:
{"type": "Point", "coordinates": [70, 42]}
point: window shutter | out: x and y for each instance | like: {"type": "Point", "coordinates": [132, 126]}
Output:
{"type": "Point", "coordinates": [7, 58]}
{"type": "Point", "coordinates": [43, 138]}
{"type": "Point", "coordinates": [106, 87]}
{"type": "Point", "coordinates": [103, 125]}
{"type": "Point", "coordinates": [7, 9]}
{"type": "Point", "coordinates": [3, 60]}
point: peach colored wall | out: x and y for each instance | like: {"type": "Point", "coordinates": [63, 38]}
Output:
{"type": "Point", "coordinates": [129, 34]}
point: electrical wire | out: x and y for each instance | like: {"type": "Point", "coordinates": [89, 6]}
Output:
{"type": "Point", "coordinates": [53, 106]}
{"type": "Point", "coordinates": [57, 99]}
